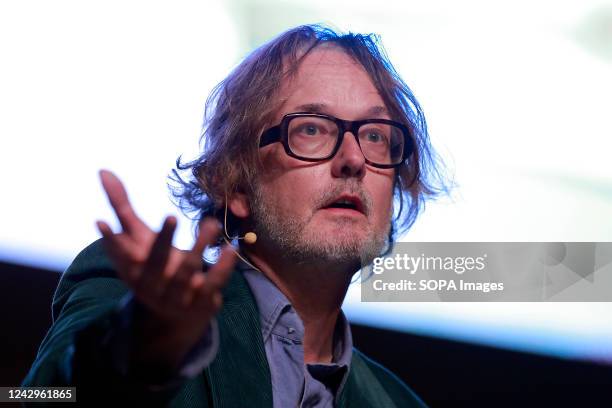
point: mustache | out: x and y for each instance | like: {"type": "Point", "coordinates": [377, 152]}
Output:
{"type": "Point", "coordinates": [351, 187]}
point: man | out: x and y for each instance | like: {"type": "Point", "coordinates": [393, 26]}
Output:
{"type": "Point", "coordinates": [307, 141]}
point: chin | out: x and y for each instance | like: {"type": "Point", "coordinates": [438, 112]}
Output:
{"type": "Point", "coordinates": [343, 236]}
{"type": "Point", "coordinates": [340, 244]}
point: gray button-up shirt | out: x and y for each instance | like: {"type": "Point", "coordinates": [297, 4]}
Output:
{"type": "Point", "coordinates": [295, 384]}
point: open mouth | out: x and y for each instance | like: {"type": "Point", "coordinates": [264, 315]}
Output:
{"type": "Point", "coordinates": [346, 203]}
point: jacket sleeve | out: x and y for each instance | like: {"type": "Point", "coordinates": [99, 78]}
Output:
{"type": "Point", "coordinates": [198, 358]}
{"type": "Point", "coordinates": [80, 348]}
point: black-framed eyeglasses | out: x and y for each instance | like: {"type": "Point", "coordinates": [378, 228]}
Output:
{"type": "Point", "coordinates": [315, 137]}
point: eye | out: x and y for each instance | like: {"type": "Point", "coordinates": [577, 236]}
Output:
{"type": "Point", "coordinates": [310, 130]}
{"type": "Point", "coordinates": [374, 136]}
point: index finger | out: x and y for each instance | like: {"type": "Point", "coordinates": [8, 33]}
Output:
{"type": "Point", "coordinates": [119, 201]}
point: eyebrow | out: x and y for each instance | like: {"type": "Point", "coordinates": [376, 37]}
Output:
{"type": "Point", "coordinates": [323, 108]}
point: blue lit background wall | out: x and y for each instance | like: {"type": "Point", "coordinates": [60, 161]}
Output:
{"type": "Point", "coordinates": [517, 97]}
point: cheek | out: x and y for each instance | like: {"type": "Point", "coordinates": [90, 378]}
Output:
{"type": "Point", "coordinates": [297, 189]}
{"type": "Point", "coordinates": [382, 197]}
{"type": "Point", "coordinates": [290, 183]}
{"type": "Point", "coordinates": [291, 191]}
{"type": "Point", "coordinates": [272, 165]}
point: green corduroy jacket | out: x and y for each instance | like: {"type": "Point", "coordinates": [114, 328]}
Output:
{"type": "Point", "coordinates": [85, 304]}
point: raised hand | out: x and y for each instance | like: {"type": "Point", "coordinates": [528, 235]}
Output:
{"type": "Point", "coordinates": [180, 299]}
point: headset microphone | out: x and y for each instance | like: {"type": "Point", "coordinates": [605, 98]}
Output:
{"type": "Point", "coordinates": [249, 237]}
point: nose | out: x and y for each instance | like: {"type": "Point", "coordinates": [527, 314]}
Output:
{"type": "Point", "coordinates": [349, 160]}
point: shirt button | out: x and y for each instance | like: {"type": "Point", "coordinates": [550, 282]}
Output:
{"type": "Point", "coordinates": [291, 330]}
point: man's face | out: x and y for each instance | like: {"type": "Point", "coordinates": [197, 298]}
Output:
{"type": "Point", "coordinates": [292, 208]}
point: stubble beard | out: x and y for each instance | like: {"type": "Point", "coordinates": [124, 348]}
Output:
{"type": "Point", "coordinates": [294, 241]}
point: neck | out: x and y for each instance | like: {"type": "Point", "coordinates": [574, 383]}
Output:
{"type": "Point", "coordinates": [316, 292]}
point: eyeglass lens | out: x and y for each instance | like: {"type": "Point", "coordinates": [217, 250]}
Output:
{"type": "Point", "coordinates": [316, 137]}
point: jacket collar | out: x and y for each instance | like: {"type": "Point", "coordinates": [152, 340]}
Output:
{"type": "Point", "coordinates": [240, 373]}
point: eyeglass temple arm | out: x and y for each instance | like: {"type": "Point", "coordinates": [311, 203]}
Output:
{"type": "Point", "coordinates": [270, 136]}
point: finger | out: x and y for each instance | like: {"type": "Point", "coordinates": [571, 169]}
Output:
{"type": "Point", "coordinates": [189, 293]}
{"type": "Point", "coordinates": [206, 287]}
{"type": "Point", "coordinates": [105, 230]}
{"type": "Point", "coordinates": [205, 298]}
{"type": "Point", "coordinates": [207, 235]}
{"type": "Point", "coordinates": [154, 277]}
{"type": "Point", "coordinates": [194, 287]}
{"type": "Point", "coordinates": [220, 272]}
{"type": "Point", "coordinates": [119, 251]}
{"type": "Point", "coordinates": [119, 200]}
{"type": "Point", "coordinates": [178, 290]}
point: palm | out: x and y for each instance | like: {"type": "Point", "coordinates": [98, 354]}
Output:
{"type": "Point", "coordinates": [169, 281]}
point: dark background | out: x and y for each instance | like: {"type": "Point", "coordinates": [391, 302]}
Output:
{"type": "Point", "coordinates": [444, 373]}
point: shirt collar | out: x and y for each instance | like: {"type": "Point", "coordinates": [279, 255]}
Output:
{"type": "Point", "coordinates": [270, 301]}
{"type": "Point", "coordinates": [274, 305]}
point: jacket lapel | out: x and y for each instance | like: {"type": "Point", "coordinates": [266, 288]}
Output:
{"type": "Point", "coordinates": [362, 388]}
{"type": "Point", "coordinates": [239, 374]}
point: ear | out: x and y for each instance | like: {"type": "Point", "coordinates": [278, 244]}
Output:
{"type": "Point", "coordinates": [239, 205]}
